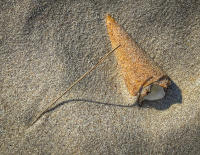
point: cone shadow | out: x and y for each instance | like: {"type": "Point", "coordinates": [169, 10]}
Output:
{"type": "Point", "coordinates": [172, 96]}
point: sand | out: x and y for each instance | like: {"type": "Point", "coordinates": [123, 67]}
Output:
{"type": "Point", "coordinates": [46, 45]}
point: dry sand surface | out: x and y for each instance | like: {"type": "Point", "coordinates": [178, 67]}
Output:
{"type": "Point", "coordinates": [47, 44]}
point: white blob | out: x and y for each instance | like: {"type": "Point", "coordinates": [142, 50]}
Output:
{"type": "Point", "coordinates": [157, 93]}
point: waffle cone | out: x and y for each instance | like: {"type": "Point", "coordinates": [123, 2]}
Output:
{"type": "Point", "coordinates": [137, 68]}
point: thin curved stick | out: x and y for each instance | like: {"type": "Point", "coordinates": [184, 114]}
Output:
{"type": "Point", "coordinates": [70, 87]}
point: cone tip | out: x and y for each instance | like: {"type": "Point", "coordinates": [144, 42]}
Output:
{"type": "Point", "coordinates": [109, 19]}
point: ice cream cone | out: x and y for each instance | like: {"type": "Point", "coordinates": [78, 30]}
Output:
{"type": "Point", "coordinates": [138, 70]}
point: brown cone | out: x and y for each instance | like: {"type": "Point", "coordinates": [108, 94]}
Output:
{"type": "Point", "coordinates": [137, 68]}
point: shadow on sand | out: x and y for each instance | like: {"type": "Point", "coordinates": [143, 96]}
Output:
{"type": "Point", "coordinates": [173, 96]}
